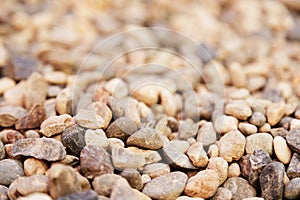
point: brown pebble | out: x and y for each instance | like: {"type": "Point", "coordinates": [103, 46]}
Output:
{"type": "Point", "coordinates": [240, 188]}
{"type": "Point", "coordinates": [34, 166]}
{"type": "Point", "coordinates": [146, 138]}
{"type": "Point", "coordinates": [10, 136]}
{"type": "Point", "coordinates": [133, 177]}
{"type": "Point", "coordinates": [33, 118]}
{"type": "Point", "coordinates": [9, 115]}
{"type": "Point", "coordinates": [55, 125]}
{"type": "Point", "coordinates": [104, 184]}
{"type": "Point", "coordinates": [121, 128]}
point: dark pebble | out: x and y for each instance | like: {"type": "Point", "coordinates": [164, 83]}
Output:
{"type": "Point", "coordinates": [293, 140]}
{"type": "Point", "coordinates": [293, 170]}
{"type": "Point", "coordinates": [73, 140]}
{"type": "Point", "coordinates": [121, 128]}
{"type": "Point", "coordinates": [292, 189]}
{"type": "Point", "coordinates": [86, 195]}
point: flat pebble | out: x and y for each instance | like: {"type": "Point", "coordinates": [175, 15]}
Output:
{"type": "Point", "coordinates": [232, 146]}
{"type": "Point", "coordinates": [293, 170]}
{"type": "Point", "coordinates": [86, 195]}
{"type": "Point", "coordinates": [96, 137]}
{"type": "Point", "coordinates": [73, 138]}
{"type": "Point", "coordinates": [220, 166]}
{"type": "Point", "coordinates": [275, 112]}
{"type": "Point", "coordinates": [9, 171]}
{"type": "Point", "coordinates": [32, 119]}
{"type": "Point", "coordinates": [293, 140]}
{"type": "Point", "coordinates": [247, 129]}
{"type": "Point", "coordinates": [168, 186]}
{"type": "Point", "coordinates": [146, 138]}
{"type": "Point", "coordinates": [281, 149]}
{"type": "Point", "coordinates": [41, 148]}
{"type": "Point", "coordinates": [57, 124]}
{"type": "Point", "coordinates": [224, 124]}
{"type": "Point", "coordinates": [156, 169]}
{"type": "Point", "coordinates": [234, 170]}
{"type": "Point", "coordinates": [34, 166]}
{"type": "Point", "coordinates": [263, 141]}
{"type": "Point", "coordinates": [292, 189]}
{"type": "Point", "coordinates": [207, 134]}
{"type": "Point", "coordinates": [240, 188]}
{"type": "Point", "coordinates": [258, 119]}
{"type": "Point", "coordinates": [197, 155]}
{"type": "Point", "coordinates": [121, 128]}
{"type": "Point", "coordinates": [222, 194]}
{"type": "Point", "coordinates": [239, 110]}
{"type": "Point", "coordinates": [271, 181]}
{"type": "Point", "coordinates": [204, 184]}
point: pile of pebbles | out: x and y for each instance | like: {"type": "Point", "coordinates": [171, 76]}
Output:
{"type": "Point", "coordinates": [183, 112]}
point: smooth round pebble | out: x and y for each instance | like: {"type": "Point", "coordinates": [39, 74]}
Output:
{"type": "Point", "coordinates": [282, 150]}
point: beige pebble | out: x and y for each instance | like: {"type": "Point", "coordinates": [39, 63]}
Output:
{"type": "Point", "coordinates": [275, 112]}
{"type": "Point", "coordinates": [145, 178]}
{"type": "Point", "coordinates": [281, 149]}
{"type": "Point", "coordinates": [117, 88]}
{"type": "Point", "coordinates": [238, 110]}
{"type": "Point", "coordinates": [64, 101]}
{"type": "Point", "coordinates": [258, 119]}
{"type": "Point", "coordinates": [53, 91]}
{"type": "Point", "coordinates": [238, 75]}
{"type": "Point", "coordinates": [220, 166]}
{"type": "Point", "coordinates": [255, 83]}
{"type": "Point", "coordinates": [224, 124]}
{"type": "Point", "coordinates": [294, 124]}
{"type": "Point", "coordinates": [5, 84]}
{"type": "Point", "coordinates": [32, 134]}
{"type": "Point", "coordinates": [263, 141]}
{"type": "Point", "coordinates": [15, 95]}
{"type": "Point", "coordinates": [197, 155]}
{"type": "Point", "coordinates": [240, 94]}
{"type": "Point", "coordinates": [169, 101]}
{"type": "Point", "coordinates": [149, 94]}
{"type": "Point", "coordinates": [234, 170]}
{"type": "Point", "coordinates": [222, 194]}
{"type": "Point", "coordinates": [96, 137]}
{"type": "Point", "coordinates": [286, 179]}
{"type": "Point", "coordinates": [213, 151]}
{"type": "Point", "coordinates": [285, 89]}
{"type": "Point", "coordinates": [57, 124]}
{"type": "Point", "coordinates": [247, 129]}
{"type": "Point", "coordinates": [266, 128]}
{"type": "Point", "coordinates": [34, 166]}
{"type": "Point", "coordinates": [56, 77]}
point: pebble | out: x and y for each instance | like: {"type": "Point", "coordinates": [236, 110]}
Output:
{"type": "Point", "coordinates": [117, 88]}
{"type": "Point", "coordinates": [272, 95]}
{"type": "Point", "coordinates": [232, 146]}
{"type": "Point", "coordinates": [56, 77]}
{"type": "Point", "coordinates": [295, 124]}
{"type": "Point", "coordinates": [5, 84]}
{"type": "Point", "coordinates": [149, 94]}
{"type": "Point", "coordinates": [3, 192]}
{"type": "Point", "coordinates": [169, 101]}
{"type": "Point", "coordinates": [16, 95]}
{"type": "Point", "coordinates": [53, 91]}
{"type": "Point", "coordinates": [271, 181]}
{"type": "Point", "coordinates": [263, 141]}
{"type": "Point", "coordinates": [238, 75]}
{"type": "Point", "coordinates": [70, 160]}
{"type": "Point", "coordinates": [247, 129]}
{"type": "Point", "coordinates": [116, 108]}
{"type": "Point", "coordinates": [220, 166]}
{"type": "Point", "coordinates": [146, 138]}
{"type": "Point", "coordinates": [49, 107]}
{"type": "Point", "coordinates": [63, 180]}
{"type": "Point", "coordinates": [150, 156]}
{"type": "Point", "coordinates": [293, 170]}
{"type": "Point", "coordinates": [204, 184]}
{"type": "Point", "coordinates": [64, 101]}
{"type": "Point", "coordinates": [9, 171]}
{"type": "Point", "coordinates": [282, 150]}
{"type": "Point", "coordinates": [56, 125]}
{"type": "Point", "coordinates": [223, 124]}
{"type": "Point", "coordinates": [168, 186]}
{"type": "Point", "coordinates": [292, 189]}
{"type": "Point", "coordinates": [24, 186]}
{"type": "Point", "coordinates": [133, 177]}
{"type": "Point", "coordinates": [104, 184]}
{"type": "Point", "coordinates": [234, 170]}
{"type": "Point", "coordinates": [122, 190]}
{"type": "Point", "coordinates": [73, 138]}
{"type": "Point", "coordinates": [279, 132]}
{"type": "Point", "coordinates": [131, 110]}
{"type": "Point", "coordinates": [35, 93]}
{"type": "Point", "coordinates": [239, 110]}
{"type": "Point", "coordinates": [96, 137]}
{"type": "Point", "coordinates": [213, 151]}
{"type": "Point", "coordinates": [41, 148]}
{"type": "Point", "coordinates": [222, 194]}
{"type": "Point", "coordinates": [121, 128]}
{"type": "Point", "coordinates": [36, 196]}
{"type": "Point", "coordinates": [187, 129]}
{"type": "Point", "coordinates": [275, 112]}
{"type": "Point", "coordinates": [197, 155]}
{"type": "Point", "coordinates": [258, 119]}
{"type": "Point", "coordinates": [156, 169]}
{"type": "Point", "coordinates": [33, 118]}
{"type": "Point", "coordinates": [95, 116]}
{"type": "Point", "coordinates": [2, 150]}
{"type": "Point", "coordinates": [9, 115]}
{"type": "Point", "coordinates": [95, 161]}
{"type": "Point", "coordinates": [207, 134]}
{"type": "Point", "coordinates": [31, 134]}
{"type": "Point", "coordinates": [240, 188]}
{"type": "Point", "coordinates": [255, 83]}
{"type": "Point", "coordinates": [266, 128]}
{"type": "Point", "coordinates": [240, 94]}
{"type": "Point", "coordinates": [293, 140]}
{"type": "Point", "coordinates": [34, 166]}
{"type": "Point", "coordinates": [86, 195]}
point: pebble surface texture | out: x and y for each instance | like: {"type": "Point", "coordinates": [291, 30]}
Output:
{"type": "Point", "coordinates": [153, 99]}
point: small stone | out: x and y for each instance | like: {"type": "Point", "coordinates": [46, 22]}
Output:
{"type": "Point", "coordinates": [133, 177]}
{"type": "Point", "coordinates": [169, 101]}
{"type": "Point", "coordinates": [240, 188]}
{"type": "Point", "coordinates": [36, 196]}
{"type": "Point", "coordinates": [149, 155]}
{"type": "Point", "coordinates": [96, 137]}
{"type": "Point", "coordinates": [295, 124]}
{"type": "Point", "coordinates": [86, 195]}
{"type": "Point", "coordinates": [32, 119]}
{"type": "Point", "coordinates": [213, 151]}
{"type": "Point", "coordinates": [122, 190]}
{"type": "Point", "coordinates": [41, 148]}
{"type": "Point", "coordinates": [49, 107]}
{"type": "Point", "coordinates": [281, 149]}
{"type": "Point", "coordinates": [263, 141]}
{"type": "Point", "coordinates": [116, 108]}
{"type": "Point", "coordinates": [272, 95]}
{"type": "Point", "coordinates": [293, 171]}
{"type": "Point", "coordinates": [145, 179]}
{"type": "Point", "coordinates": [255, 83]}
{"type": "Point", "coordinates": [9, 171]}
{"type": "Point", "coordinates": [220, 166]}
{"type": "Point", "coordinates": [234, 170]}
{"type": "Point", "coordinates": [121, 128]}
{"type": "Point", "coordinates": [279, 132]}
{"type": "Point", "coordinates": [57, 124]}
{"type": "Point", "coordinates": [95, 161]}
{"type": "Point", "coordinates": [56, 77]}
{"type": "Point", "coordinates": [239, 110]}
{"type": "Point", "coordinates": [95, 116]}
{"type": "Point", "coordinates": [197, 155]}
{"type": "Point", "coordinates": [293, 140]}
{"type": "Point", "coordinates": [224, 124]}
{"type": "Point", "coordinates": [232, 146]}
{"type": "Point", "coordinates": [24, 186]}
{"type": "Point", "coordinates": [238, 75]}
{"type": "Point", "coordinates": [222, 194]}
{"type": "Point", "coordinates": [187, 129]}
{"type": "Point", "coordinates": [266, 128]}
{"type": "Point", "coordinates": [258, 119]}
{"type": "Point", "coordinates": [247, 129]}
{"type": "Point", "coordinates": [31, 134]}
{"type": "Point", "coordinates": [240, 94]}
{"type": "Point", "coordinates": [73, 138]}
{"type": "Point", "coordinates": [63, 180]}
{"type": "Point", "coordinates": [117, 88]}
{"type": "Point", "coordinates": [9, 115]}
{"type": "Point", "coordinates": [5, 84]}
{"type": "Point", "coordinates": [275, 112]}
{"type": "Point", "coordinates": [149, 94]}
{"type": "Point", "coordinates": [156, 169]}
{"type": "Point", "coordinates": [204, 184]}
{"type": "Point", "coordinates": [35, 93]}
{"type": "Point", "coordinates": [53, 91]}
{"type": "Point", "coordinates": [131, 110]}
{"type": "Point", "coordinates": [2, 150]}
{"type": "Point", "coordinates": [271, 181]}
{"type": "Point", "coordinates": [146, 138]}
{"type": "Point", "coordinates": [16, 94]}
{"type": "Point", "coordinates": [207, 134]}
{"type": "Point", "coordinates": [70, 160]}
{"type": "Point", "coordinates": [168, 186]}
{"type": "Point", "coordinates": [64, 101]}
{"type": "Point", "coordinates": [34, 166]}
{"type": "Point", "coordinates": [104, 184]}
{"type": "Point", "coordinates": [292, 189]}
{"type": "Point", "coordinates": [3, 192]}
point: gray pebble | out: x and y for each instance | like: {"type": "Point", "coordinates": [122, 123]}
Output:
{"type": "Point", "coordinates": [293, 171]}
{"type": "Point", "coordinates": [292, 189]}
{"type": "Point", "coordinates": [9, 171]}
